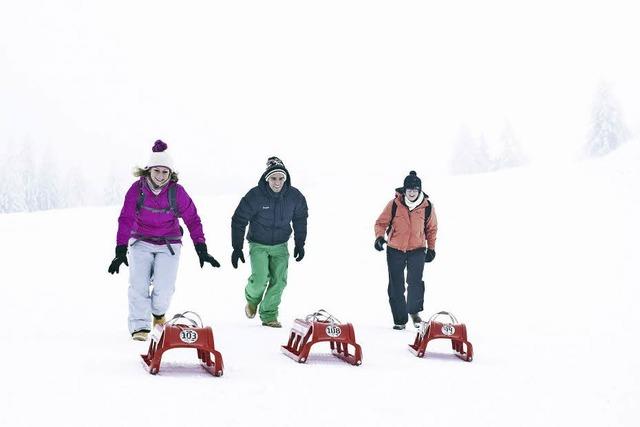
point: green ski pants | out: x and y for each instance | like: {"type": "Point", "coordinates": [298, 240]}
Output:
{"type": "Point", "coordinates": [269, 265]}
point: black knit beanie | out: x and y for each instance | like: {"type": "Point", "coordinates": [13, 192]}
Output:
{"type": "Point", "coordinates": [412, 181]}
{"type": "Point", "coordinates": [274, 165]}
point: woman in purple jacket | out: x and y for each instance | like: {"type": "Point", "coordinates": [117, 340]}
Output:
{"type": "Point", "coordinates": [148, 225]}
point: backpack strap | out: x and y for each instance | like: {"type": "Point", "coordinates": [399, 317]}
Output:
{"type": "Point", "coordinates": [427, 214]}
{"type": "Point", "coordinates": [394, 208]}
{"type": "Point", "coordinates": [173, 203]}
{"type": "Point", "coordinates": [140, 201]}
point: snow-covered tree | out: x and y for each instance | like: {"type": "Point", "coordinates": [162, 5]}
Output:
{"type": "Point", "coordinates": [26, 171]}
{"type": "Point", "coordinates": [607, 131]}
{"type": "Point", "coordinates": [17, 173]}
{"type": "Point", "coordinates": [75, 188]}
{"type": "Point", "coordinates": [5, 190]}
{"type": "Point", "coordinates": [114, 190]}
{"type": "Point", "coordinates": [512, 154]}
{"type": "Point", "coordinates": [470, 154]}
{"type": "Point", "coordinates": [47, 190]}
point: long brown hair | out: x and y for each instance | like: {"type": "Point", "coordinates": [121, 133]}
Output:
{"type": "Point", "coordinates": [138, 172]}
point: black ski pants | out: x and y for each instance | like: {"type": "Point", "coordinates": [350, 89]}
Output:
{"type": "Point", "coordinates": [413, 261]}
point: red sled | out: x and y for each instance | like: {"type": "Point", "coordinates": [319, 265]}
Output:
{"type": "Point", "coordinates": [184, 331]}
{"type": "Point", "coordinates": [319, 327]}
{"type": "Point", "coordinates": [431, 330]}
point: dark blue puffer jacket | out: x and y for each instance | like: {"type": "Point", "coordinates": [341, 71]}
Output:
{"type": "Point", "coordinates": [270, 215]}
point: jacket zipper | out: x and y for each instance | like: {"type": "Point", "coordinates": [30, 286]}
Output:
{"type": "Point", "coordinates": [273, 229]}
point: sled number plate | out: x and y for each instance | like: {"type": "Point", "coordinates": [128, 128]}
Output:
{"type": "Point", "coordinates": [448, 329]}
{"type": "Point", "coordinates": [333, 331]}
{"type": "Point", "coordinates": [189, 336]}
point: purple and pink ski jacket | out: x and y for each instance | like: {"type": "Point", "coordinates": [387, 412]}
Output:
{"type": "Point", "coordinates": [155, 221]}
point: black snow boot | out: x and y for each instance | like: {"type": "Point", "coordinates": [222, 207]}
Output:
{"type": "Point", "coordinates": [415, 318]}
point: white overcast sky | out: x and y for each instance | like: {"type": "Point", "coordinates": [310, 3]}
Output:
{"type": "Point", "coordinates": [323, 84]}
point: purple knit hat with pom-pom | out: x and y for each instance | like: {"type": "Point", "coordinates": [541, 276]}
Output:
{"type": "Point", "coordinates": [160, 156]}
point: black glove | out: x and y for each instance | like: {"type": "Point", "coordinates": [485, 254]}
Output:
{"type": "Point", "coordinates": [430, 255]}
{"type": "Point", "coordinates": [201, 250]}
{"type": "Point", "coordinates": [379, 243]}
{"type": "Point", "coordinates": [298, 253]}
{"type": "Point", "coordinates": [235, 256]}
{"type": "Point", "coordinates": [121, 256]}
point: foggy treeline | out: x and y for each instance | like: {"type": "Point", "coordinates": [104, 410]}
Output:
{"type": "Point", "coordinates": [607, 132]}
{"type": "Point", "coordinates": [471, 153]}
{"type": "Point", "coordinates": [31, 179]}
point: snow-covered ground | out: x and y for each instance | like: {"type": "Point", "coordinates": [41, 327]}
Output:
{"type": "Point", "coordinates": [541, 264]}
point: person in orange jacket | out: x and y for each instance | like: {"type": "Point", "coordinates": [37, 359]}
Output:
{"type": "Point", "coordinates": [410, 222]}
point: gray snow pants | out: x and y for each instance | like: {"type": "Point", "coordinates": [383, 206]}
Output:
{"type": "Point", "coordinates": [413, 261]}
{"type": "Point", "coordinates": [150, 264]}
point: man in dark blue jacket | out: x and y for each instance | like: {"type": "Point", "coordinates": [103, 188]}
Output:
{"type": "Point", "coordinates": [269, 208]}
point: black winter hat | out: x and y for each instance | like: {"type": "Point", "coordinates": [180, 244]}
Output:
{"type": "Point", "coordinates": [274, 165]}
{"type": "Point", "coordinates": [412, 181]}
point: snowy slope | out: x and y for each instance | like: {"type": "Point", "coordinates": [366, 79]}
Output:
{"type": "Point", "coordinates": [540, 263]}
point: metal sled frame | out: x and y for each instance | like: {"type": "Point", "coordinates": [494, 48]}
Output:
{"type": "Point", "coordinates": [320, 327]}
{"type": "Point", "coordinates": [183, 331]}
{"type": "Point", "coordinates": [431, 330]}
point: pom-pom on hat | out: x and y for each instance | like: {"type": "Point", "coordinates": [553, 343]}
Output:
{"type": "Point", "coordinates": [412, 181]}
{"type": "Point", "coordinates": [160, 156]}
{"type": "Point", "coordinates": [275, 165]}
